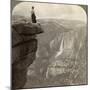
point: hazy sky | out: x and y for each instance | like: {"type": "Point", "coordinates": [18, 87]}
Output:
{"type": "Point", "coordinates": [47, 10]}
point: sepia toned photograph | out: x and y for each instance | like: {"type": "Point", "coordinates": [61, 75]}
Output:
{"type": "Point", "coordinates": [49, 44]}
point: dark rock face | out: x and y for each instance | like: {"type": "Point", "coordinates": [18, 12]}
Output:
{"type": "Point", "coordinates": [24, 47]}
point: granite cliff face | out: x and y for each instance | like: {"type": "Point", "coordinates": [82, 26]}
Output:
{"type": "Point", "coordinates": [24, 47]}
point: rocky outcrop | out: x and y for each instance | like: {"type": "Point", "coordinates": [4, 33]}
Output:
{"type": "Point", "coordinates": [24, 47]}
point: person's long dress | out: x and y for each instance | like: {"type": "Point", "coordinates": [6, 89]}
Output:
{"type": "Point", "coordinates": [33, 17]}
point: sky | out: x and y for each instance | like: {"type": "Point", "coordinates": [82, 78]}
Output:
{"type": "Point", "coordinates": [47, 10]}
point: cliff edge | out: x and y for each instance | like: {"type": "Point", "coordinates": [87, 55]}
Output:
{"type": "Point", "coordinates": [24, 47]}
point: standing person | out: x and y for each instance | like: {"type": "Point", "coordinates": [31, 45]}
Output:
{"type": "Point", "coordinates": [33, 16]}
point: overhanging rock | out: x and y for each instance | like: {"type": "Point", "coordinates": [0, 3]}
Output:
{"type": "Point", "coordinates": [24, 47]}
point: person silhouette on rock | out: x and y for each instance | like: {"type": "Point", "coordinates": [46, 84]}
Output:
{"type": "Point", "coordinates": [33, 16]}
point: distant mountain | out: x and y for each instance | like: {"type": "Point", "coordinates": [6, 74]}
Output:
{"type": "Point", "coordinates": [20, 19]}
{"type": "Point", "coordinates": [61, 52]}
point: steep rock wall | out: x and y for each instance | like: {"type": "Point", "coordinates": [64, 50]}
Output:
{"type": "Point", "coordinates": [24, 47]}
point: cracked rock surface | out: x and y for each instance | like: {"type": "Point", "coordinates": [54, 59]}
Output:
{"type": "Point", "coordinates": [24, 47]}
